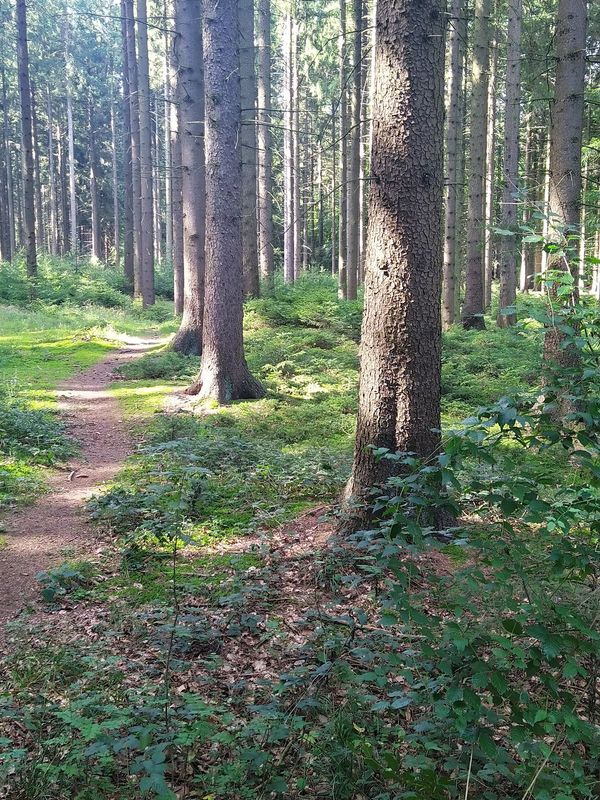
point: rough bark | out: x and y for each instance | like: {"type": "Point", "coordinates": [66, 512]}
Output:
{"type": "Point", "coordinates": [188, 52]}
{"type": "Point", "coordinates": [156, 183]}
{"type": "Point", "coordinates": [265, 157]}
{"type": "Point", "coordinates": [224, 375]}
{"type": "Point", "coordinates": [473, 307]}
{"type": "Point", "coordinates": [168, 99]}
{"type": "Point", "coordinates": [399, 390]}
{"type": "Point", "coordinates": [490, 178]}
{"type": "Point", "coordinates": [40, 236]}
{"type": "Point", "coordinates": [249, 144]}
{"type": "Point", "coordinates": [53, 205]}
{"type": "Point", "coordinates": [454, 116]}
{"type": "Point", "coordinates": [176, 179]}
{"type": "Point", "coordinates": [147, 204]}
{"type": "Point", "coordinates": [96, 251]}
{"type": "Point", "coordinates": [510, 166]}
{"type": "Point", "coordinates": [70, 143]}
{"type": "Point", "coordinates": [354, 183]}
{"type": "Point", "coordinates": [128, 205]}
{"type": "Point", "coordinates": [26, 143]}
{"type": "Point", "coordinates": [115, 186]}
{"type": "Point", "coordinates": [136, 179]}
{"type": "Point", "coordinates": [343, 102]}
{"type": "Point", "coordinates": [288, 165]}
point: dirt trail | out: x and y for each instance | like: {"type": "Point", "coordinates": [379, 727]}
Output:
{"type": "Point", "coordinates": [38, 536]}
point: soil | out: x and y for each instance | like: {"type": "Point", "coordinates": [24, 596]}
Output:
{"type": "Point", "coordinates": [56, 526]}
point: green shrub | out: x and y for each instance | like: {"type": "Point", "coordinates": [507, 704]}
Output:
{"type": "Point", "coordinates": [167, 365]}
{"type": "Point", "coordinates": [31, 434]}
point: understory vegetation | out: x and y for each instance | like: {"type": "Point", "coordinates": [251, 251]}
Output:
{"type": "Point", "coordinates": [231, 644]}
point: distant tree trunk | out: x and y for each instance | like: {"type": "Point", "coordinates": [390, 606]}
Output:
{"type": "Point", "coordinates": [334, 193]}
{"type": "Point", "coordinates": [136, 179]}
{"type": "Point", "coordinates": [115, 182]}
{"type": "Point", "coordinates": [168, 99]}
{"type": "Point", "coordinates": [296, 154]}
{"type": "Point", "coordinates": [176, 180]}
{"type": "Point", "coordinates": [156, 185]}
{"type": "Point", "coordinates": [343, 100]}
{"type": "Point", "coordinates": [546, 207]}
{"type": "Point", "coordinates": [224, 375]}
{"type": "Point", "coordinates": [490, 177]}
{"type": "Point", "coordinates": [473, 307]}
{"type": "Point", "coordinates": [64, 195]}
{"type": "Point", "coordinates": [52, 178]}
{"type": "Point", "coordinates": [188, 48]}
{"type": "Point", "coordinates": [96, 236]}
{"type": "Point", "coordinates": [70, 143]}
{"type": "Point", "coordinates": [456, 37]}
{"type": "Point", "coordinates": [248, 90]}
{"type": "Point", "coordinates": [147, 205]}
{"type": "Point", "coordinates": [510, 166]}
{"type": "Point", "coordinates": [354, 184]}
{"type": "Point", "coordinates": [128, 205]}
{"type": "Point", "coordinates": [528, 181]}
{"type": "Point", "coordinates": [27, 143]}
{"type": "Point", "coordinates": [566, 132]}
{"type": "Point", "coordinates": [8, 247]}
{"type": "Point", "coordinates": [399, 390]}
{"type": "Point", "coordinates": [265, 157]}
{"type": "Point", "coordinates": [40, 236]}
{"type": "Point", "coordinates": [288, 163]}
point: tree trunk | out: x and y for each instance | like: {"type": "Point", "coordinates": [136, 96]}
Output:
{"type": "Point", "coordinates": [224, 375]}
{"type": "Point", "coordinates": [529, 182]}
{"type": "Point", "coordinates": [40, 237]}
{"type": "Point", "coordinates": [510, 167]}
{"type": "Point", "coordinates": [288, 165]}
{"type": "Point", "coordinates": [399, 390]}
{"type": "Point", "coordinates": [343, 226]}
{"type": "Point", "coordinates": [96, 236]}
{"type": "Point", "coordinates": [265, 157]}
{"type": "Point", "coordinates": [248, 91]}
{"type": "Point", "coordinates": [490, 177]}
{"type": "Point", "coordinates": [26, 143]}
{"type": "Point", "coordinates": [176, 180]}
{"type": "Point", "coordinates": [188, 49]}
{"type": "Point", "coordinates": [473, 307]}
{"type": "Point", "coordinates": [354, 184]}
{"type": "Point", "coordinates": [156, 185]}
{"type": "Point", "coordinates": [147, 205]}
{"type": "Point", "coordinates": [52, 178]}
{"type": "Point", "coordinates": [334, 193]}
{"type": "Point", "coordinates": [168, 99]}
{"type": "Point", "coordinates": [115, 182]}
{"type": "Point", "coordinates": [128, 206]}
{"type": "Point", "coordinates": [456, 38]}
{"type": "Point", "coordinates": [64, 194]}
{"type": "Point", "coordinates": [296, 154]}
{"type": "Point", "coordinates": [8, 247]}
{"type": "Point", "coordinates": [71, 142]}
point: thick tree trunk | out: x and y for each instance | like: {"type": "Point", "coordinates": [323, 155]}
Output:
{"type": "Point", "coordinates": [399, 390]}
{"type": "Point", "coordinates": [188, 49]}
{"type": "Point", "coordinates": [136, 179]}
{"type": "Point", "coordinates": [473, 307]}
{"type": "Point", "coordinates": [265, 157]}
{"type": "Point", "coordinates": [26, 143]}
{"type": "Point", "coordinates": [128, 205]}
{"type": "Point", "coordinates": [288, 163]}
{"type": "Point", "coordinates": [354, 184]}
{"type": "Point", "coordinates": [224, 375]}
{"type": "Point", "coordinates": [510, 167]}
{"type": "Point", "coordinates": [52, 178]}
{"type": "Point", "coordinates": [343, 101]}
{"type": "Point", "coordinates": [248, 91]}
{"type": "Point", "coordinates": [147, 204]}
{"type": "Point", "coordinates": [96, 252]}
{"type": "Point", "coordinates": [456, 42]}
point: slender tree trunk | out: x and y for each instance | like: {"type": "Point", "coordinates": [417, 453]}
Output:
{"type": "Point", "coordinates": [8, 248]}
{"type": "Point", "coordinates": [64, 194]}
{"type": "Point", "coordinates": [343, 226]}
{"type": "Point", "coordinates": [52, 178]}
{"type": "Point", "coordinates": [296, 154]}
{"type": "Point", "coordinates": [249, 144]}
{"type": "Point", "coordinates": [265, 158]}
{"type": "Point", "coordinates": [456, 38]}
{"type": "Point", "coordinates": [128, 205]}
{"type": "Point", "coordinates": [136, 179]}
{"type": "Point", "coordinates": [528, 181]}
{"type": "Point", "coordinates": [168, 99]}
{"type": "Point", "coordinates": [188, 48]}
{"type": "Point", "coordinates": [40, 236]}
{"type": "Point", "coordinates": [354, 184]}
{"type": "Point", "coordinates": [334, 192]}
{"type": "Point", "coordinates": [490, 177]}
{"type": "Point", "coordinates": [70, 141]}
{"type": "Point", "coordinates": [176, 181]}
{"type": "Point", "coordinates": [147, 205]}
{"type": "Point", "coordinates": [288, 163]}
{"type": "Point", "coordinates": [96, 235]}
{"type": "Point", "coordinates": [156, 185]}
{"type": "Point", "coordinates": [473, 307]}
{"type": "Point", "coordinates": [26, 143]}
{"type": "Point", "coordinates": [512, 124]}
{"type": "Point", "coordinates": [224, 374]}
{"type": "Point", "coordinates": [546, 207]}
{"type": "Point", "coordinates": [399, 390]}
{"type": "Point", "coordinates": [115, 182]}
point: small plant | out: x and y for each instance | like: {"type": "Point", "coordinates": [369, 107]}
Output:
{"type": "Point", "coordinates": [66, 579]}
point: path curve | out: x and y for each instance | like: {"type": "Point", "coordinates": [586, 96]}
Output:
{"type": "Point", "coordinates": [38, 536]}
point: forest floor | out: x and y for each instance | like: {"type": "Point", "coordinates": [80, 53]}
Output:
{"type": "Point", "coordinates": [39, 535]}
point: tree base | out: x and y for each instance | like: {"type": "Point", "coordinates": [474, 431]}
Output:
{"type": "Point", "coordinates": [226, 388]}
{"type": "Point", "coordinates": [473, 322]}
{"type": "Point", "coordinates": [187, 341]}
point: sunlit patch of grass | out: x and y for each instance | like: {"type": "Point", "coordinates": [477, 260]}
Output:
{"type": "Point", "coordinates": [138, 400]}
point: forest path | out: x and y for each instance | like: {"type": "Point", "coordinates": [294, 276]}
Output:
{"type": "Point", "coordinates": [38, 536]}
